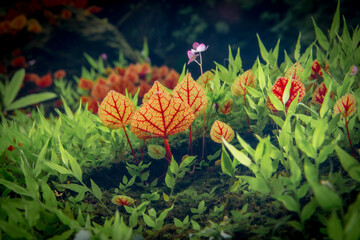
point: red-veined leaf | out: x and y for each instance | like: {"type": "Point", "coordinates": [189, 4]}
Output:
{"type": "Point", "coordinates": [246, 79]}
{"type": "Point", "coordinates": [346, 105]}
{"type": "Point", "coordinates": [220, 129]}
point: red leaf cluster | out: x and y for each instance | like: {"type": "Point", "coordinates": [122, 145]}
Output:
{"type": "Point", "coordinates": [294, 72]}
{"type": "Point", "coordinates": [319, 94]}
{"type": "Point", "coordinates": [279, 87]}
{"type": "Point", "coordinates": [316, 70]}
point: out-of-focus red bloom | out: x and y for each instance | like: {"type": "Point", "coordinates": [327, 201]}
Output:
{"type": "Point", "coordinates": [11, 148]}
{"type": "Point", "coordinates": [19, 62]}
{"type": "Point", "coordinates": [18, 22]}
{"type": "Point", "coordinates": [2, 69]}
{"type": "Point", "coordinates": [163, 71]}
{"type": "Point", "coordinates": [4, 27]}
{"type": "Point", "coordinates": [94, 9]}
{"type": "Point", "coordinates": [85, 99]}
{"type": "Point", "coordinates": [93, 106]}
{"type": "Point", "coordinates": [319, 94]}
{"type": "Point", "coordinates": [34, 26]}
{"type": "Point", "coordinates": [31, 77]}
{"type": "Point", "coordinates": [44, 81]}
{"type": "Point", "coordinates": [132, 76]}
{"type": "Point", "coordinates": [11, 14]}
{"type": "Point", "coordinates": [34, 5]}
{"type": "Point", "coordinates": [171, 79]}
{"type": "Point", "coordinates": [120, 71]}
{"type": "Point", "coordinates": [85, 84]}
{"type": "Point", "coordinates": [16, 52]}
{"type": "Point", "coordinates": [279, 87]}
{"type": "Point", "coordinates": [59, 74]}
{"type": "Point", "coordinates": [58, 103]}
{"type": "Point", "coordinates": [80, 3]}
{"type": "Point", "coordinates": [100, 89]}
{"type": "Point", "coordinates": [144, 88]}
{"type": "Point", "coordinates": [65, 14]}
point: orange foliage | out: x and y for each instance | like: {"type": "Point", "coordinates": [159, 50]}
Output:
{"type": "Point", "coordinates": [59, 74]}
{"type": "Point", "coordinates": [4, 27]}
{"type": "Point", "coordinates": [44, 81]}
{"type": "Point", "coordinates": [94, 9]}
{"type": "Point", "coordinates": [192, 93]}
{"type": "Point", "coordinates": [219, 130]}
{"type": "Point", "coordinates": [246, 79]}
{"type": "Point", "coordinates": [161, 116]}
{"type": "Point", "coordinates": [93, 106]}
{"type": "Point", "coordinates": [85, 84]}
{"type": "Point", "coordinates": [116, 110]}
{"type": "Point", "coordinates": [157, 87]}
{"type": "Point", "coordinates": [85, 99]}
{"type": "Point", "coordinates": [144, 88]}
{"type": "Point", "coordinates": [18, 22]}
{"type": "Point", "coordinates": [208, 76]}
{"type": "Point", "coordinates": [346, 105]}
{"type": "Point", "coordinates": [316, 69]}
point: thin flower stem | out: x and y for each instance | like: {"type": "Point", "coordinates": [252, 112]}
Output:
{"type": "Point", "coordinates": [132, 150]}
{"type": "Point", "coordinates": [203, 84]}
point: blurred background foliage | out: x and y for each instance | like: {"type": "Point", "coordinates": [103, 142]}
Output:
{"type": "Point", "coordinates": [170, 28]}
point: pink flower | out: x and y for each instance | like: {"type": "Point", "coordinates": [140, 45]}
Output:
{"type": "Point", "coordinates": [199, 47]}
{"type": "Point", "coordinates": [192, 55]}
{"type": "Point", "coordinates": [354, 70]}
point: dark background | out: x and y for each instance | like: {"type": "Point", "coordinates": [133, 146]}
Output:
{"type": "Point", "coordinates": [172, 26]}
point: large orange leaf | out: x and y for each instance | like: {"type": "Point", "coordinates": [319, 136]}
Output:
{"type": "Point", "coordinates": [161, 116]}
{"type": "Point", "coordinates": [157, 87]}
{"type": "Point", "coordinates": [192, 93]}
{"type": "Point", "coordinates": [346, 105]}
{"type": "Point", "coordinates": [295, 88]}
{"type": "Point", "coordinates": [207, 76]}
{"type": "Point", "coordinates": [219, 130]}
{"type": "Point", "coordinates": [246, 79]}
{"type": "Point", "coordinates": [116, 110]}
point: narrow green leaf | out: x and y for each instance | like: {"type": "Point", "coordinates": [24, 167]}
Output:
{"type": "Point", "coordinates": [263, 51]}
{"type": "Point", "coordinates": [96, 190]}
{"type": "Point", "coordinates": [350, 164]}
{"type": "Point", "coordinates": [321, 37]}
{"type": "Point", "coordinates": [261, 76]}
{"type": "Point", "coordinates": [148, 220]}
{"type": "Point", "coordinates": [325, 105]}
{"type": "Point", "coordinates": [226, 163]}
{"type": "Point", "coordinates": [240, 156]}
{"type": "Point", "coordinates": [289, 203]}
{"type": "Point", "coordinates": [319, 134]}
{"type": "Point", "coordinates": [308, 210]}
{"type": "Point", "coordinates": [30, 100]}
{"type": "Point", "coordinates": [58, 168]}
{"type": "Point", "coordinates": [335, 23]}
{"type": "Point", "coordinates": [297, 48]}
{"type": "Point", "coordinates": [257, 184]}
{"type": "Point", "coordinates": [276, 102]}
{"type": "Point", "coordinates": [13, 88]}
{"type": "Point", "coordinates": [75, 167]}
{"type": "Point", "coordinates": [334, 227]}
{"type": "Point", "coordinates": [286, 93]}
{"type": "Point", "coordinates": [91, 61]}
{"type": "Point", "coordinates": [15, 188]}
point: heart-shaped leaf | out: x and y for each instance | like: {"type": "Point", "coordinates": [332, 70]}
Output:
{"type": "Point", "coordinates": [279, 88]}
{"type": "Point", "coordinates": [246, 79]}
{"type": "Point", "coordinates": [116, 110]}
{"type": "Point", "coordinates": [219, 130]}
{"type": "Point", "coordinates": [192, 93]}
{"type": "Point", "coordinates": [346, 105]}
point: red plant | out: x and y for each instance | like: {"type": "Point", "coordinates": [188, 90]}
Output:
{"type": "Point", "coordinates": [122, 200]}
{"type": "Point", "coordinates": [19, 62]}
{"type": "Point", "coordinates": [100, 89]}
{"type": "Point", "coordinates": [18, 22]}
{"type": "Point", "coordinates": [221, 130]}
{"type": "Point", "coordinates": [115, 112]}
{"type": "Point", "coordinates": [44, 81]}
{"type": "Point", "coordinates": [34, 26]}
{"type": "Point", "coordinates": [162, 116]}
{"type": "Point", "coordinates": [208, 76]}
{"type": "Point", "coordinates": [157, 87]}
{"type": "Point", "coordinates": [279, 87]}
{"type": "Point", "coordinates": [85, 84]}
{"type": "Point", "coordinates": [59, 74]}
{"type": "Point", "coordinates": [316, 70]}
{"type": "Point", "coordinates": [319, 94]}
{"type": "Point", "coordinates": [346, 106]}
{"type": "Point", "coordinates": [194, 95]}
{"type": "Point", "coordinates": [238, 88]}
{"type": "Point", "coordinates": [226, 107]}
